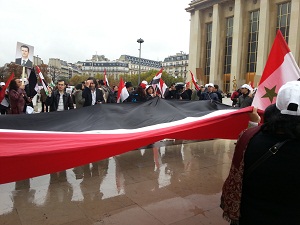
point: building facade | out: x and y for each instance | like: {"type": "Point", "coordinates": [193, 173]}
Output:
{"type": "Point", "coordinates": [177, 65]}
{"type": "Point", "coordinates": [134, 62]}
{"type": "Point", "coordinates": [113, 68]}
{"type": "Point", "coordinates": [230, 40]}
{"type": "Point", "coordinates": [61, 69]}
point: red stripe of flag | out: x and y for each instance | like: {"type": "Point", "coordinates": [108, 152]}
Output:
{"type": "Point", "coordinates": [2, 92]}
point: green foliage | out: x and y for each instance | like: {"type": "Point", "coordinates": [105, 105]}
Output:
{"type": "Point", "coordinates": [148, 76]}
{"type": "Point", "coordinates": [77, 79]}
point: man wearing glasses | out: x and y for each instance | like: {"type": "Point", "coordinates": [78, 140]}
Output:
{"type": "Point", "coordinates": [59, 100]}
{"type": "Point", "coordinates": [91, 93]}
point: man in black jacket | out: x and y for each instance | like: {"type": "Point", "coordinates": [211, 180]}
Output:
{"type": "Point", "coordinates": [59, 100]}
{"type": "Point", "coordinates": [91, 93]}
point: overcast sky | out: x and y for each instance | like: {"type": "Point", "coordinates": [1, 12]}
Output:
{"type": "Point", "coordinates": [75, 30]}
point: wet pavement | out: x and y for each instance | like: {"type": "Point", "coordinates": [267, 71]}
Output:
{"type": "Point", "coordinates": [170, 182]}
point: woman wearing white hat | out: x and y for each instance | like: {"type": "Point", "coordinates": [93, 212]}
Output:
{"type": "Point", "coordinates": [263, 184]}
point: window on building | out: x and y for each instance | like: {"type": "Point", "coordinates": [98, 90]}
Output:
{"type": "Point", "coordinates": [228, 53]}
{"type": "Point", "coordinates": [283, 19]}
{"type": "Point", "coordinates": [228, 45]}
{"type": "Point", "coordinates": [208, 51]}
{"type": "Point", "coordinates": [253, 41]}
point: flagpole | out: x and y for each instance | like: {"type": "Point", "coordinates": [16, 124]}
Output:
{"type": "Point", "coordinates": [23, 75]}
{"type": "Point", "coordinates": [140, 41]}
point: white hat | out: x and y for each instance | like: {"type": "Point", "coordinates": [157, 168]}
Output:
{"type": "Point", "coordinates": [2, 83]}
{"type": "Point", "coordinates": [247, 86]}
{"type": "Point", "coordinates": [288, 98]}
{"type": "Point", "coordinates": [210, 85]}
{"type": "Point", "coordinates": [144, 84]}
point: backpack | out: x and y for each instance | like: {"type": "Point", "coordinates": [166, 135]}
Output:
{"type": "Point", "coordinates": [111, 98]}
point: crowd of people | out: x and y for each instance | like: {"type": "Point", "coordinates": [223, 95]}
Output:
{"type": "Point", "coordinates": [262, 185]}
{"type": "Point", "coordinates": [92, 92]}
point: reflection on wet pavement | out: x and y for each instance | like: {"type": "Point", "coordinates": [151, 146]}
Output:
{"type": "Point", "coordinates": [169, 182]}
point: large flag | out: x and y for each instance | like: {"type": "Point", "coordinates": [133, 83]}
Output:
{"type": "Point", "coordinates": [2, 92]}
{"type": "Point", "coordinates": [105, 79]}
{"type": "Point", "coordinates": [280, 68]}
{"type": "Point", "coordinates": [42, 79]}
{"type": "Point", "coordinates": [195, 81]}
{"type": "Point", "coordinates": [42, 143]}
{"type": "Point", "coordinates": [122, 92]}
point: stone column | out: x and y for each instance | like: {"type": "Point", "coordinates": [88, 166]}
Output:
{"type": "Point", "coordinates": [263, 39]}
{"type": "Point", "coordinates": [294, 40]}
{"type": "Point", "coordinates": [237, 42]}
{"type": "Point", "coordinates": [195, 43]}
{"type": "Point", "coordinates": [214, 75]}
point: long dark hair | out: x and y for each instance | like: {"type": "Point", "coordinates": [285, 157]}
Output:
{"type": "Point", "coordinates": [280, 124]}
{"type": "Point", "coordinates": [141, 92]}
{"type": "Point", "coordinates": [13, 84]}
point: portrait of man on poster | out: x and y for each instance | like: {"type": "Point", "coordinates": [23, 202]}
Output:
{"type": "Point", "coordinates": [24, 55]}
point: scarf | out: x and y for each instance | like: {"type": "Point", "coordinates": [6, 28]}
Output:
{"type": "Point", "coordinates": [232, 188]}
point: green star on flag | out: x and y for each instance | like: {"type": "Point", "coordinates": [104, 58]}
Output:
{"type": "Point", "coordinates": [270, 93]}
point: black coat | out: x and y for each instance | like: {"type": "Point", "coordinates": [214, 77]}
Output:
{"type": "Point", "coordinates": [53, 100]}
{"type": "Point", "coordinates": [28, 62]}
{"type": "Point", "coordinates": [87, 95]}
{"type": "Point", "coordinates": [270, 195]}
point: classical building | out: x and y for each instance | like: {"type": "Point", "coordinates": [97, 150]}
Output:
{"type": "Point", "coordinates": [113, 68]}
{"type": "Point", "coordinates": [177, 65]}
{"type": "Point", "coordinates": [230, 39]}
{"type": "Point", "coordinates": [37, 61]}
{"type": "Point", "coordinates": [134, 62]}
{"type": "Point", "coordinates": [61, 69]}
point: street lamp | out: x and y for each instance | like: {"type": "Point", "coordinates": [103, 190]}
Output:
{"type": "Point", "coordinates": [140, 41]}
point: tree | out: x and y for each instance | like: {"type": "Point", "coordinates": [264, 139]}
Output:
{"type": "Point", "coordinates": [148, 76]}
{"type": "Point", "coordinates": [77, 79]}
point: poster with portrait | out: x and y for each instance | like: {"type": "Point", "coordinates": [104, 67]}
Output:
{"type": "Point", "coordinates": [24, 55]}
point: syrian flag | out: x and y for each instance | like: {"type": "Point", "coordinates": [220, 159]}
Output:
{"type": "Point", "coordinates": [280, 68]}
{"type": "Point", "coordinates": [2, 92]}
{"type": "Point", "coordinates": [122, 92]}
{"type": "Point", "coordinates": [30, 148]}
{"type": "Point", "coordinates": [195, 81]}
{"type": "Point", "coordinates": [105, 79]}
{"type": "Point", "coordinates": [162, 87]}
{"type": "Point", "coordinates": [52, 84]}
{"type": "Point", "coordinates": [156, 79]}
{"type": "Point", "coordinates": [32, 83]}
{"type": "Point", "coordinates": [42, 79]}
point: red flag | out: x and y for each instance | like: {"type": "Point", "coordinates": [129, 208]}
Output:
{"type": "Point", "coordinates": [105, 78]}
{"type": "Point", "coordinates": [162, 87]}
{"type": "Point", "coordinates": [70, 141]}
{"type": "Point", "coordinates": [42, 79]}
{"type": "Point", "coordinates": [195, 81]}
{"type": "Point", "coordinates": [122, 92]}
{"type": "Point", "coordinates": [280, 68]}
{"type": "Point", "coordinates": [2, 92]}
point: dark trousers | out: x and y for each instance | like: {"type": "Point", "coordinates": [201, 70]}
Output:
{"type": "Point", "coordinates": [43, 107]}
{"type": "Point", "coordinates": [3, 110]}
